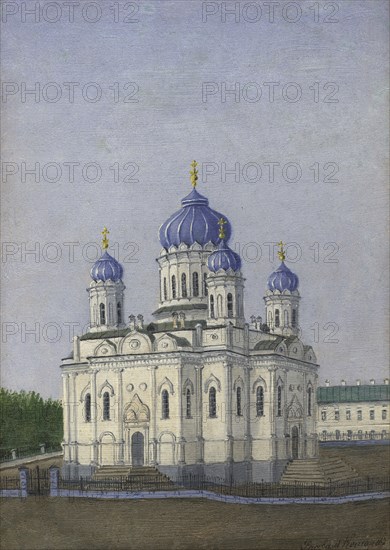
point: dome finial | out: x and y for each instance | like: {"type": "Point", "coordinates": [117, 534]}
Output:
{"type": "Point", "coordinates": [281, 252]}
{"type": "Point", "coordinates": [105, 232]}
{"type": "Point", "coordinates": [221, 223]}
{"type": "Point", "coordinates": [194, 173]}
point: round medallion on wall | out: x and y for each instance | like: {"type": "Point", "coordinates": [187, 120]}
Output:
{"type": "Point", "coordinates": [135, 344]}
{"type": "Point", "coordinates": [214, 336]}
{"type": "Point", "coordinates": [104, 350]}
{"type": "Point", "coordinates": [130, 387]}
{"type": "Point", "coordinates": [164, 345]}
{"type": "Point", "coordinates": [142, 386]}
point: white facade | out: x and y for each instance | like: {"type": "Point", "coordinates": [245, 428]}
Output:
{"type": "Point", "coordinates": [198, 390]}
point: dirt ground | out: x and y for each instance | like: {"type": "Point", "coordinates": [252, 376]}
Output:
{"type": "Point", "coordinates": [64, 524]}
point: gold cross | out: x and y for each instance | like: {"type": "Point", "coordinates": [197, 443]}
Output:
{"type": "Point", "coordinates": [194, 173]}
{"type": "Point", "coordinates": [105, 232]}
{"type": "Point", "coordinates": [281, 252]}
{"type": "Point", "coordinates": [221, 223]}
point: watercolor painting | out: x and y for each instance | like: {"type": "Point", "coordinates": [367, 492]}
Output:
{"type": "Point", "coordinates": [195, 275]}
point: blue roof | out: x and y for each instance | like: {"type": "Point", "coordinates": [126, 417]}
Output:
{"type": "Point", "coordinates": [223, 258]}
{"type": "Point", "coordinates": [283, 279]}
{"type": "Point", "coordinates": [106, 268]}
{"type": "Point", "coordinates": [353, 394]}
{"type": "Point", "coordinates": [195, 222]}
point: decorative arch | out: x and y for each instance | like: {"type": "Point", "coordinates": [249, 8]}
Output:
{"type": "Point", "coordinates": [165, 343]}
{"type": "Point", "coordinates": [107, 435]}
{"type": "Point", "coordinates": [171, 437]}
{"type": "Point", "coordinates": [188, 385]}
{"type": "Point", "coordinates": [135, 342]}
{"type": "Point", "coordinates": [298, 346]}
{"type": "Point", "coordinates": [279, 382]}
{"type": "Point", "coordinates": [87, 389]}
{"type": "Point", "coordinates": [166, 382]}
{"type": "Point", "coordinates": [136, 411]}
{"type": "Point", "coordinates": [106, 386]}
{"type": "Point", "coordinates": [212, 380]}
{"type": "Point", "coordinates": [259, 382]}
{"type": "Point", "coordinates": [294, 409]}
{"type": "Point", "coordinates": [105, 348]}
{"type": "Point", "coordinates": [239, 382]}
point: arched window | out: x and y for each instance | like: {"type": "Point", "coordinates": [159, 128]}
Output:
{"type": "Point", "coordinates": [102, 313]}
{"type": "Point", "coordinates": [230, 305]}
{"type": "Point", "coordinates": [309, 401]}
{"type": "Point", "coordinates": [338, 434]}
{"type": "Point", "coordinates": [279, 410]}
{"type": "Point", "coordinates": [173, 287]}
{"type": "Point", "coordinates": [285, 318]}
{"type": "Point", "coordinates": [87, 406]}
{"type": "Point", "coordinates": [294, 318]}
{"type": "Point", "coordinates": [195, 284]}
{"type": "Point", "coordinates": [219, 306]}
{"type": "Point", "coordinates": [260, 401]}
{"type": "Point", "coordinates": [238, 402]}
{"type": "Point", "coordinates": [270, 318]}
{"type": "Point", "coordinates": [165, 404]}
{"type": "Point", "coordinates": [184, 285]}
{"type": "Point", "coordinates": [277, 318]}
{"type": "Point", "coordinates": [106, 406]}
{"type": "Point", "coordinates": [205, 289]}
{"type": "Point", "coordinates": [119, 312]}
{"type": "Point", "coordinates": [212, 309]}
{"type": "Point", "coordinates": [188, 403]}
{"type": "Point", "coordinates": [165, 290]}
{"type": "Point", "coordinates": [212, 402]}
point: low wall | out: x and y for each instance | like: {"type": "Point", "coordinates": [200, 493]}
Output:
{"type": "Point", "coordinates": [29, 459]}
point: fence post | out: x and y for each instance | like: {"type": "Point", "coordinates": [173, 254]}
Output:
{"type": "Point", "coordinates": [23, 477]}
{"type": "Point", "coordinates": [54, 473]}
{"type": "Point", "coordinates": [42, 447]}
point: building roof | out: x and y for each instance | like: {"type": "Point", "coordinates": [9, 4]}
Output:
{"type": "Point", "coordinates": [353, 394]}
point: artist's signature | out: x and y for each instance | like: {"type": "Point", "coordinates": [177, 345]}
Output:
{"type": "Point", "coordinates": [346, 544]}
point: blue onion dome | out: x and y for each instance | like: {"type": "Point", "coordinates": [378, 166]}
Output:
{"type": "Point", "coordinates": [283, 279]}
{"type": "Point", "coordinates": [106, 268]}
{"type": "Point", "coordinates": [223, 258]}
{"type": "Point", "coordinates": [195, 222]}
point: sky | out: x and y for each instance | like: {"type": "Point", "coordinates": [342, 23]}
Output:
{"type": "Point", "coordinates": [286, 114]}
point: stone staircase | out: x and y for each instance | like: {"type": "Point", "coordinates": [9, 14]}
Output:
{"type": "Point", "coordinates": [135, 478]}
{"type": "Point", "coordinates": [318, 471]}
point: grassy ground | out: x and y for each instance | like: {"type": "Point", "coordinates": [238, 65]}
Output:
{"type": "Point", "coordinates": [64, 524]}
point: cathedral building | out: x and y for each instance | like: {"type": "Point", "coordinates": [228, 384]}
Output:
{"type": "Point", "coordinates": [199, 389]}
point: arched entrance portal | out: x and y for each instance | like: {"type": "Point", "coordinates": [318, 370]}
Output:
{"type": "Point", "coordinates": [137, 449]}
{"type": "Point", "coordinates": [294, 442]}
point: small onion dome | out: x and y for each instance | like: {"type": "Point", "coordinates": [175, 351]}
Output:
{"type": "Point", "coordinates": [223, 258]}
{"type": "Point", "coordinates": [195, 222]}
{"type": "Point", "coordinates": [283, 279]}
{"type": "Point", "coordinates": [106, 268]}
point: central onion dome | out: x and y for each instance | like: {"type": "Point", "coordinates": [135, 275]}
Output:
{"type": "Point", "coordinates": [195, 222]}
{"type": "Point", "coordinates": [106, 268]}
{"type": "Point", "coordinates": [223, 258]}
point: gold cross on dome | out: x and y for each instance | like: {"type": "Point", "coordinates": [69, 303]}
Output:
{"type": "Point", "coordinates": [221, 223]}
{"type": "Point", "coordinates": [194, 173]}
{"type": "Point", "coordinates": [282, 252]}
{"type": "Point", "coordinates": [105, 232]}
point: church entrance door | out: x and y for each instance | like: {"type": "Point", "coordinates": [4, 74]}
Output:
{"type": "Point", "coordinates": [294, 442]}
{"type": "Point", "coordinates": [137, 449]}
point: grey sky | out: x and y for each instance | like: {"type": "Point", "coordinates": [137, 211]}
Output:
{"type": "Point", "coordinates": [169, 53]}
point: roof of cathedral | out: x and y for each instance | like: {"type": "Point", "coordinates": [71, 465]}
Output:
{"type": "Point", "coordinates": [273, 344]}
{"type": "Point", "coordinates": [106, 268]}
{"type": "Point", "coordinates": [348, 394]}
{"type": "Point", "coordinates": [195, 222]}
{"type": "Point", "coordinates": [223, 258]}
{"type": "Point", "coordinates": [283, 279]}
